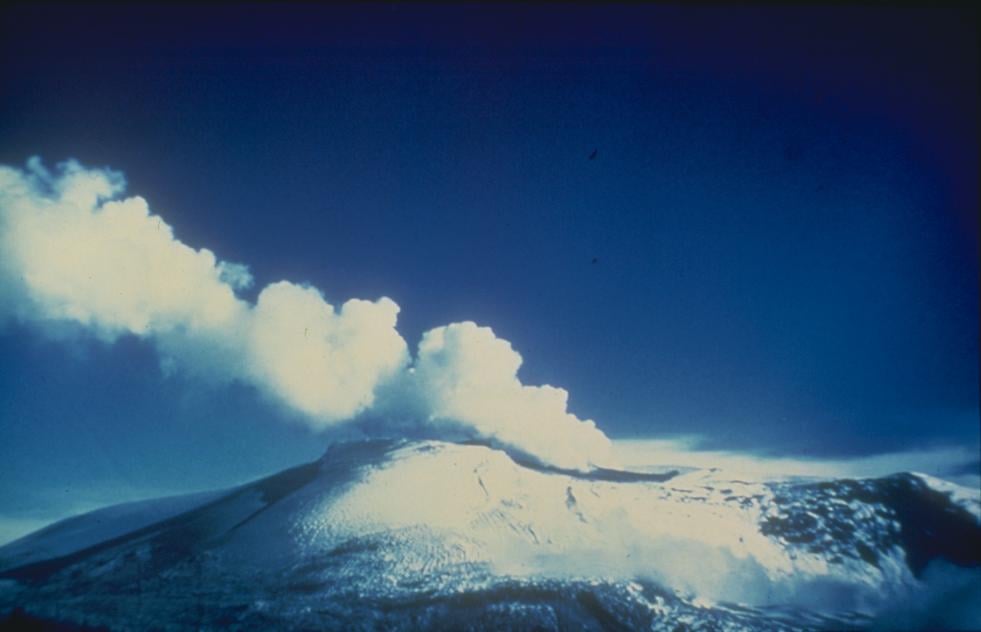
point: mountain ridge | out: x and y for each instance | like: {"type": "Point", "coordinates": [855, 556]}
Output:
{"type": "Point", "coordinates": [374, 524]}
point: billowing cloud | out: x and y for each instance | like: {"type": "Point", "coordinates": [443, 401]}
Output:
{"type": "Point", "coordinates": [322, 362]}
{"type": "Point", "coordinates": [470, 376]}
{"type": "Point", "coordinates": [72, 250]}
{"type": "Point", "coordinates": [72, 253]}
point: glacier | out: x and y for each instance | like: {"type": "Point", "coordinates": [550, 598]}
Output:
{"type": "Point", "coordinates": [397, 534]}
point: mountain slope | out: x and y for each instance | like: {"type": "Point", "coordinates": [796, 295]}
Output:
{"type": "Point", "coordinates": [85, 530]}
{"type": "Point", "coordinates": [438, 534]}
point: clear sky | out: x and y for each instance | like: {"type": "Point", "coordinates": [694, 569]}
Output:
{"type": "Point", "coordinates": [774, 248]}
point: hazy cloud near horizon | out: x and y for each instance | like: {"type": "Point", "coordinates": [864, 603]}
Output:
{"type": "Point", "coordinates": [958, 464]}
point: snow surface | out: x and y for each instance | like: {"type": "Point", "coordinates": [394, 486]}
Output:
{"type": "Point", "coordinates": [398, 534]}
{"type": "Point", "coordinates": [79, 532]}
{"type": "Point", "coordinates": [964, 497]}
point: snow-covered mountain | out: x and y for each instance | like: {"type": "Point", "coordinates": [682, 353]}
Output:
{"type": "Point", "coordinates": [400, 535]}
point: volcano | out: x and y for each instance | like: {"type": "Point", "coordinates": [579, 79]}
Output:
{"type": "Point", "coordinates": [436, 535]}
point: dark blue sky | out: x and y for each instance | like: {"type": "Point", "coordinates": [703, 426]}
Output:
{"type": "Point", "coordinates": [783, 213]}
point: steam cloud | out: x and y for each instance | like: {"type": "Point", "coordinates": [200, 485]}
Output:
{"type": "Point", "coordinates": [72, 250]}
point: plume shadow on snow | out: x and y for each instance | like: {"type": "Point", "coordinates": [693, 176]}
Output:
{"type": "Point", "coordinates": [604, 474]}
{"type": "Point", "coordinates": [399, 432]}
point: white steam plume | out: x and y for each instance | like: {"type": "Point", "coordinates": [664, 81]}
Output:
{"type": "Point", "coordinates": [467, 375]}
{"type": "Point", "coordinates": [73, 251]}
